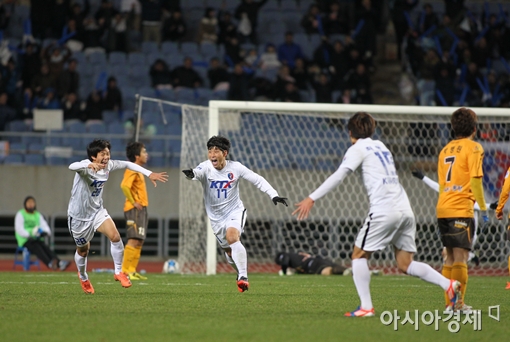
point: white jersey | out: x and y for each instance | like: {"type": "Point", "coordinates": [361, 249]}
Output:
{"type": "Point", "coordinates": [87, 192]}
{"type": "Point", "coordinates": [221, 187]}
{"type": "Point", "coordinates": [378, 172]}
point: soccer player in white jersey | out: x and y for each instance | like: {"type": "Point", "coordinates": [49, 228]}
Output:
{"type": "Point", "coordinates": [390, 220]}
{"type": "Point", "coordinates": [220, 182]}
{"type": "Point", "coordinates": [435, 186]}
{"type": "Point", "coordinates": [86, 214]}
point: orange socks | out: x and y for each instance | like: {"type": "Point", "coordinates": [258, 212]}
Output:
{"type": "Point", "coordinates": [129, 255]}
{"type": "Point", "coordinates": [447, 273]}
{"type": "Point", "coordinates": [460, 273]}
{"type": "Point", "coordinates": [136, 257]}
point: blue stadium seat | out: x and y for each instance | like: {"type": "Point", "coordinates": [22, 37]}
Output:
{"type": "Point", "coordinates": [186, 95]}
{"type": "Point", "coordinates": [17, 148]}
{"type": "Point", "coordinates": [271, 5]}
{"type": "Point", "coordinates": [219, 95]}
{"type": "Point", "coordinates": [189, 49]}
{"type": "Point", "coordinates": [60, 160]}
{"type": "Point", "coordinates": [75, 127]}
{"type": "Point", "coordinates": [152, 57]}
{"type": "Point", "coordinates": [149, 47]}
{"type": "Point", "coordinates": [137, 58]}
{"type": "Point", "coordinates": [14, 159]}
{"type": "Point", "coordinates": [168, 48]}
{"type": "Point", "coordinates": [208, 50]}
{"type": "Point", "coordinates": [289, 6]}
{"type": "Point", "coordinates": [147, 91]}
{"type": "Point", "coordinates": [17, 126]}
{"type": "Point", "coordinates": [80, 57]}
{"type": "Point", "coordinates": [96, 128]}
{"type": "Point", "coordinates": [166, 94]}
{"type": "Point", "coordinates": [117, 58]}
{"type": "Point", "coordinates": [76, 143]}
{"type": "Point", "coordinates": [34, 159]}
{"type": "Point", "coordinates": [188, 4]}
{"type": "Point", "coordinates": [175, 60]}
{"type": "Point", "coordinates": [97, 58]}
{"type": "Point", "coordinates": [116, 128]}
{"type": "Point", "coordinates": [31, 139]}
{"type": "Point", "coordinates": [110, 116]}
{"type": "Point", "coordinates": [35, 148]}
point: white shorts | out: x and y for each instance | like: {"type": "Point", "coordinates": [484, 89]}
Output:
{"type": "Point", "coordinates": [83, 231]}
{"type": "Point", "coordinates": [236, 220]}
{"type": "Point", "coordinates": [395, 228]}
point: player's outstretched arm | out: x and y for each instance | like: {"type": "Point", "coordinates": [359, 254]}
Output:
{"type": "Point", "coordinates": [418, 174]}
{"type": "Point", "coordinates": [303, 208]}
{"type": "Point", "coordinates": [158, 176]}
{"type": "Point", "coordinates": [282, 200]}
{"type": "Point", "coordinates": [189, 173]}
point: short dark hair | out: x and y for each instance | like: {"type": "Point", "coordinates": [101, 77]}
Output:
{"type": "Point", "coordinates": [463, 122]}
{"type": "Point", "coordinates": [361, 125]}
{"type": "Point", "coordinates": [96, 146]}
{"type": "Point", "coordinates": [220, 142]}
{"type": "Point", "coordinates": [134, 149]}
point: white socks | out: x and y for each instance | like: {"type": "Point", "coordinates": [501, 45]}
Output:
{"type": "Point", "coordinates": [117, 251]}
{"type": "Point", "coordinates": [81, 264]}
{"type": "Point", "coordinates": [361, 276]}
{"type": "Point", "coordinates": [427, 273]}
{"type": "Point", "coordinates": [240, 259]}
{"type": "Point", "coordinates": [231, 262]}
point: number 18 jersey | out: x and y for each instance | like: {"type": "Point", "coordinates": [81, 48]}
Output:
{"type": "Point", "coordinates": [379, 175]}
{"type": "Point", "coordinates": [459, 161]}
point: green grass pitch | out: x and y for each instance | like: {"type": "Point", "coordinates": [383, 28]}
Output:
{"type": "Point", "coordinates": [41, 306]}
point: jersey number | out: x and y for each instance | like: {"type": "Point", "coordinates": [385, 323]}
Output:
{"type": "Point", "coordinates": [96, 192]}
{"type": "Point", "coordinates": [449, 161]}
{"type": "Point", "coordinates": [222, 191]}
{"type": "Point", "coordinates": [387, 161]}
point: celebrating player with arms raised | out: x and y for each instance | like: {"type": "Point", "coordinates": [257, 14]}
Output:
{"type": "Point", "coordinates": [86, 214]}
{"type": "Point", "coordinates": [220, 181]}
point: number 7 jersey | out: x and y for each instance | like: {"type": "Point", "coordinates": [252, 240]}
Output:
{"type": "Point", "coordinates": [459, 161]}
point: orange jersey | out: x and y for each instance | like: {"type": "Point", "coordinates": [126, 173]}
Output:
{"type": "Point", "coordinates": [134, 183]}
{"type": "Point", "coordinates": [459, 161]}
{"type": "Point", "coordinates": [505, 192]}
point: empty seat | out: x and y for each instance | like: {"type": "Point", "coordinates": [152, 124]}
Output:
{"type": "Point", "coordinates": [169, 48]}
{"type": "Point", "coordinates": [136, 58]}
{"type": "Point", "coordinates": [208, 50]}
{"type": "Point", "coordinates": [149, 47]}
{"type": "Point", "coordinates": [117, 58]}
{"type": "Point", "coordinates": [152, 57]}
{"type": "Point", "coordinates": [97, 58]}
{"type": "Point", "coordinates": [17, 147]}
{"type": "Point", "coordinates": [35, 148]}
{"type": "Point", "coordinates": [75, 127]}
{"type": "Point", "coordinates": [34, 159]}
{"type": "Point", "coordinates": [189, 49]}
{"type": "Point", "coordinates": [60, 160]}
{"type": "Point", "coordinates": [110, 116]}
{"type": "Point", "coordinates": [14, 159]}
{"type": "Point", "coordinates": [96, 128]}
{"type": "Point", "coordinates": [17, 126]}
{"type": "Point", "coordinates": [116, 128]}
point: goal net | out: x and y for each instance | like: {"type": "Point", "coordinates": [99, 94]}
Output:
{"type": "Point", "coordinates": [296, 147]}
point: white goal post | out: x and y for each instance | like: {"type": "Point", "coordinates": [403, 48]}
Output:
{"type": "Point", "coordinates": [390, 112]}
{"type": "Point", "coordinates": [296, 146]}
